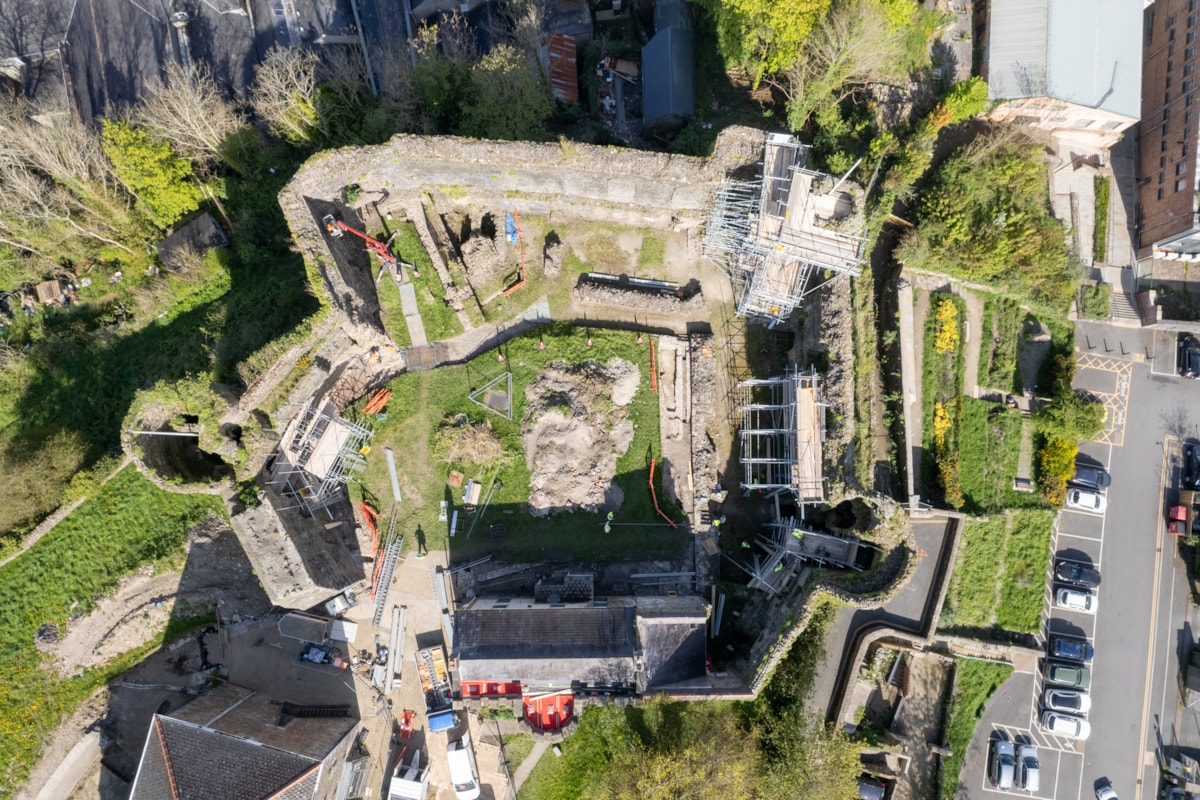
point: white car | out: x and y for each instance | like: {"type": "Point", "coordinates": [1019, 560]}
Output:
{"type": "Point", "coordinates": [1068, 700]}
{"type": "Point", "coordinates": [1086, 500]}
{"type": "Point", "coordinates": [1066, 725]}
{"type": "Point", "coordinates": [1106, 792]}
{"type": "Point", "coordinates": [1076, 600]}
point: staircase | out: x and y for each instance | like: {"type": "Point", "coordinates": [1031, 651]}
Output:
{"type": "Point", "coordinates": [1122, 308]}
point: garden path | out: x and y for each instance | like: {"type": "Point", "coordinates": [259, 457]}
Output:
{"type": "Point", "coordinates": [412, 314]}
{"type": "Point", "coordinates": [974, 325]}
{"type": "Point", "coordinates": [540, 745]}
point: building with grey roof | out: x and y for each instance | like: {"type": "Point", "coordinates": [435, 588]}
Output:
{"type": "Point", "coordinates": [620, 644]}
{"type": "Point", "coordinates": [668, 95]}
{"type": "Point", "coordinates": [1068, 67]}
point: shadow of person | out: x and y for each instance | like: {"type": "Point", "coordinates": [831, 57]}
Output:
{"type": "Point", "coordinates": [421, 549]}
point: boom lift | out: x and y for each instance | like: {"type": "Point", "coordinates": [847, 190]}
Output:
{"type": "Point", "coordinates": [336, 228]}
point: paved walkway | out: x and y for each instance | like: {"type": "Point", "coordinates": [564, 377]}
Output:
{"type": "Point", "coordinates": [412, 314]}
{"type": "Point", "coordinates": [70, 772]}
{"type": "Point", "coordinates": [909, 385]}
{"type": "Point", "coordinates": [974, 328]}
{"type": "Point", "coordinates": [540, 745]}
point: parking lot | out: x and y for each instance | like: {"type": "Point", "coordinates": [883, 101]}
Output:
{"type": "Point", "coordinates": [1143, 599]}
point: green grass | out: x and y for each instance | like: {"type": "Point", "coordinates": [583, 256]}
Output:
{"type": "Point", "coordinates": [602, 732]}
{"type": "Point", "coordinates": [1002, 319]}
{"type": "Point", "coordinates": [128, 524]}
{"type": "Point", "coordinates": [1026, 560]}
{"type": "Point", "coordinates": [974, 683]}
{"type": "Point", "coordinates": [391, 310]}
{"type": "Point", "coordinates": [654, 249]}
{"type": "Point", "coordinates": [989, 449]}
{"type": "Point", "coordinates": [999, 580]}
{"type": "Point", "coordinates": [1096, 300]}
{"type": "Point", "coordinates": [942, 382]}
{"type": "Point", "coordinates": [517, 746]}
{"type": "Point", "coordinates": [439, 319]}
{"type": "Point", "coordinates": [1103, 191]}
{"type": "Point", "coordinates": [423, 400]}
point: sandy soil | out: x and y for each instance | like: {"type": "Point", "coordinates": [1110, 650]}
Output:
{"type": "Point", "coordinates": [574, 431]}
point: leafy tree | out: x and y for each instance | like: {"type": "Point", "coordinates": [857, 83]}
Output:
{"type": "Point", "coordinates": [509, 98]}
{"type": "Point", "coordinates": [1070, 416]}
{"type": "Point", "coordinates": [160, 180]}
{"type": "Point", "coordinates": [812, 760]}
{"type": "Point", "coordinates": [1056, 465]}
{"type": "Point", "coordinates": [964, 101]}
{"type": "Point", "coordinates": [986, 217]}
{"type": "Point", "coordinates": [764, 36]}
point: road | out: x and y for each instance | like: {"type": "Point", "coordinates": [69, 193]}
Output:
{"type": "Point", "coordinates": [1143, 597]}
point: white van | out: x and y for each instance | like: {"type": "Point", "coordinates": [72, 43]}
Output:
{"type": "Point", "coordinates": [463, 772]}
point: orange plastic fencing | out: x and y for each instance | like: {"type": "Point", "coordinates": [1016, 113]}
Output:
{"type": "Point", "coordinates": [653, 371]}
{"type": "Point", "coordinates": [654, 497]}
{"type": "Point", "coordinates": [377, 403]}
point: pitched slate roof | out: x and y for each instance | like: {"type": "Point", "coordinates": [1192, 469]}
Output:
{"type": "Point", "coordinates": [184, 761]}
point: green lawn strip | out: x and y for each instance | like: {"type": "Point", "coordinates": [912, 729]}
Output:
{"type": "Point", "coordinates": [439, 319]}
{"type": "Point", "coordinates": [1103, 189]}
{"type": "Point", "coordinates": [392, 311]}
{"type": "Point", "coordinates": [128, 524]}
{"type": "Point", "coordinates": [423, 400]}
{"type": "Point", "coordinates": [972, 598]}
{"type": "Point", "coordinates": [974, 683]}
{"type": "Point", "coordinates": [1096, 300]}
{"type": "Point", "coordinates": [989, 449]}
{"type": "Point", "coordinates": [653, 250]}
{"type": "Point", "coordinates": [1003, 318]}
{"type": "Point", "coordinates": [517, 746]}
{"type": "Point", "coordinates": [942, 382]}
{"type": "Point", "coordinates": [1026, 560]}
{"type": "Point", "coordinates": [603, 732]}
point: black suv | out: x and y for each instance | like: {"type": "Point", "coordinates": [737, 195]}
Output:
{"type": "Point", "coordinates": [1090, 477]}
{"type": "Point", "coordinates": [1188, 356]}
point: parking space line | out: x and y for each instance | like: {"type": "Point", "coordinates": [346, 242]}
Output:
{"type": "Point", "coordinates": [1081, 536]}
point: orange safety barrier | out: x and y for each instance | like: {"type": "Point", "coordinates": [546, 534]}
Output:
{"type": "Point", "coordinates": [377, 402]}
{"type": "Point", "coordinates": [654, 497]}
{"type": "Point", "coordinates": [653, 369]}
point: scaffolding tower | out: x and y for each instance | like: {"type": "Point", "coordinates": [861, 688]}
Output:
{"type": "Point", "coordinates": [784, 235]}
{"type": "Point", "coordinates": [320, 453]}
{"type": "Point", "coordinates": [782, 430]}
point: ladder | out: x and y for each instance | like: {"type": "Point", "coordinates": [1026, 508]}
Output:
{"type": "Point", "coordinates": [390, 557]}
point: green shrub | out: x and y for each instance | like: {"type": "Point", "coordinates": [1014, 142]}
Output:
{"type": "Point", "coordinates": [1096, 300]}
{"type": "Point", "coordinates": [1103, 190]}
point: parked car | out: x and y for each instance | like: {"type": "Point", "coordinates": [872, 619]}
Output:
{"type": "Point", "coordinates": [1067, 700]}
{"type": "Point", "coordinates": [1105, 791]}
{"type": "Point", "coordinates": [1076, 600]}
{"type": "Point", "coordinates": [1072, 676]}
{"type": "Point", "coordinates": [1068, 648]}
{"type": "Point", "coordinates": [1191, 466]}
{"type": "Point", "coordinates": [1090, 477]}
{"type": "Point", "coordinates": [1076, 573]}
{"type": "Point", "coordinates": [1188, 356]}
{"type": "Point", "coordinates": [1066, 725]}
{"type": "Point", "coordinates": [1004, 764]}
{"type": "Point", "coordinates": [1028, 769]}
{"type": "Point", "coordinates": [1086, 500]}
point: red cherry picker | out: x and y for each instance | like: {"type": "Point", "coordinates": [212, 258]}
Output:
{"type": "Point", "coordinates": [336, 228]}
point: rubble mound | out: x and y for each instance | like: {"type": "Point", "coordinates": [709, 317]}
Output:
{"type": "Point", "coordinates": [576, 427]}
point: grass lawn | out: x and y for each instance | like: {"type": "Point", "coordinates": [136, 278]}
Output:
{"type": "Point", "coordinates": [517, 746]}
{"type": "Point", "coordinates": [989, 448]}
{"type": "Point", "coordinates": [1002, 319]}
{"type": "Point", "coordinates": [999, 579]}
{"type": "Point", "coordinates": [391, 310]}
{"type": "Point", "coordinates": [128, 524]}
{"type": "Point", "coordinates": [423, 400]}
{"type": "Point", "coordinates": [974, 683]}
{"type": "Point", "coordinates": [942, 386]}
{"type": "Point", "coordinates": [439, 319]}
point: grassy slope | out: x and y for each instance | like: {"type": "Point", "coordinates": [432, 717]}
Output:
{"type": "Point", "coordinates": [1000, 576]}
{"type": "Point", "coordinates": [990, 446]}
{"type": "Point", "coordinates": [128, 524]}
{"type": "Point", "coordinates": [974, 683]}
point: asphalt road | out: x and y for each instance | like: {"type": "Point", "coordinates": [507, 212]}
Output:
{"type": "Point", "coordinates": [1143, 597]}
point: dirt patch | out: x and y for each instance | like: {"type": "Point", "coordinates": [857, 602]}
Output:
{"type": "Point", "coordinates": [575, 428]}
{"type": "Point", "coordinates": [216, 572]}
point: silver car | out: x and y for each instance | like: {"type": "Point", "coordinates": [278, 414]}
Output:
{"type": "Point", "coordinates": [1029, 771]}
{"type": "Point", "coordinates": [1004, 764]}
{"type": "Point", "coordinates": [1068, 700]}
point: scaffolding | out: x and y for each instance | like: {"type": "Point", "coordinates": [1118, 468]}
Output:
{"type": "Point", "coordinates": [320, 453]}
{"type": "Point", "coordinates": [787, 546]}
{"type": "Point", "coordinates": [784, 235]}
{"type": "Point", "coordinates": [782, 430]}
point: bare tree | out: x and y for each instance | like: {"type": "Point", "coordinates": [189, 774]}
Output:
{"type": "Point", "coordinates": [192, 114]}
{"type": "Point", "coordinates": [525, 21]}
{"type": "Point", "coordinates": [458, 40]}
{"type": "Point", "coordinates": [852, 47]}
{"type": "Point", "coordinates": [284, 92]}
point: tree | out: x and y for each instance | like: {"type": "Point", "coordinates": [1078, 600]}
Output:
{"type": "Point", "coordinates": [764, 36]}
{"type": "Point", "coordinates": [193, 115]}
{"type": "Point", "coordinates": [160, 180]}
{"type": "Point", "coordinates": [1071, 417]}
{"type": "Point", "coordinates": [852, 47]}
{"type": "Point", "coordinates": [1056, 465]}
{"type": "Point", "coordinates": [285, 91]}
{"type": "Point", "coordinates": [811, 760]}
{"type": "Point", "coordinates": [509, 99]}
